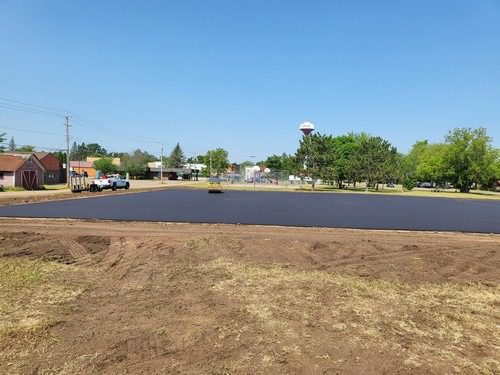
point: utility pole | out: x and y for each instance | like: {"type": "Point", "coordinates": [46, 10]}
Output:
{"type": "Point", "coordinates": [161, 165]}
{"type": "Point", "coordinates": [210, 171]}
{"type": "Point", "coordinates": [67, 125]}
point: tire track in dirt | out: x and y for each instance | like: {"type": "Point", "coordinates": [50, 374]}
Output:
{"type": "Point", "coordinates": [414, 253]}
{"type": "Point", "coordinates": [77, 251]}
{"type": "Point", "coordinates": [127, 266]}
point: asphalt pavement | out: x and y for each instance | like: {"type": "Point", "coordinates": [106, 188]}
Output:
{"type": "Point", "coordinates": [303, 209]}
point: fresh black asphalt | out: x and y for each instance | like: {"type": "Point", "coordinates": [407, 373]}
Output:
{"type": "Point", "coordinates": [368, 211]}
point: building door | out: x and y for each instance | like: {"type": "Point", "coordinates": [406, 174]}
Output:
{"type": "Point", "coordinates": [29, 180]}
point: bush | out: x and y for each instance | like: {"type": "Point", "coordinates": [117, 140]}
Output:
{"type": "Point", "coordinates": [409, 183]}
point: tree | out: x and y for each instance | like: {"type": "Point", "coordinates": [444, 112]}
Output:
{"type": "Point", "coordinates": [413, 158]}
{"type": "Point", "coordinates": [431, 166]}
{"type": "Point", "coordinates": [26, 148]}
{"type": "Point", "coordinates": [496, 172]}
{"type": "Point", "coordinates": [376, 159]}
{"type": "Point", "coordinates": [2, 140]}
{"type": "Point", "coordinates": [105, 165]}
{"type": "Point", "coordinates": [12, 145]}
{"type": "Point", "coordinates": [274, 163]}
{"type": "Point", "coordinates": [316, 155]}
{"type": "Point", "coordinates": [95, 149]}
{"type": "Point", "coordinates": [345, 149]}
{"type": "Point", "coordinates": [82, 151]}
{"type": "Point", "coordinates": [176, 158]}
{"type": "Point", "coordinates": [74, 152]}
{"type": "Point", "coordinates": [469, 157]}
{"type": "Point", "coordinates": [61, 156]}
{"type": "Point", "coordinates": [198, 159]}
{"type": "Point", "coordinates": [135, 163]}
{"type": "Point", "coordinates": [281, 162]}
{"type": "Point", "coordinates": [217, 161]}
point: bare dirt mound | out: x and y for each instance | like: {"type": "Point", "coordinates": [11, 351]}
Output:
{"type": "Point", "coordinates": [171, 298]}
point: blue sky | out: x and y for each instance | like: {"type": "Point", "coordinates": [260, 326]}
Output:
{"type": "Point", "coordinates": [243, 75]}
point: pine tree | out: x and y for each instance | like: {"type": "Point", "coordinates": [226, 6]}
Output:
{"type": "Point", "coordinates": [12, 145]}
{"type": "Point", "coordinates": [2, 139]}
{"type": "Point", "coordinates": [176, 158]}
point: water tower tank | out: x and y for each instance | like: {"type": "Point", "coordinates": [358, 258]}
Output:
{"type": "Point", "coordinates": [306, 128]}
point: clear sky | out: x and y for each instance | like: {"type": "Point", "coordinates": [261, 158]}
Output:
{"type": "Point", "coordinates": [243, 74]}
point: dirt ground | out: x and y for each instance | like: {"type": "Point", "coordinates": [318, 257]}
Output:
{"type": "Point", "coordinates": [111, 297]}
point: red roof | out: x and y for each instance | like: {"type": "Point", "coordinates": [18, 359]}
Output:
{"type": "Point", "coordinates": [48, 160]}
{"type": "Point", "coordinates": [11, 163]}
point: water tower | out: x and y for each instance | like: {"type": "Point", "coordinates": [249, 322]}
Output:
{"type": "Point", "coordinates": [306, 127]}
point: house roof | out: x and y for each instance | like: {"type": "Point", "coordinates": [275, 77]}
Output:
{"type": "Point", "coordinates": [41, 155]}
{"type": "Point", "coordinates": [11, 163]}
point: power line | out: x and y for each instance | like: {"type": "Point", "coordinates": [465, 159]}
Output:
{"type": "Point", "coordinates": [34, 147]}
{"type": "Point", "coordinates": [28, 130]}
{"type": "Point", "coordinates": [82, 121]}
{"type": "Point", "coordinates": [52, 109]}
{"type": "Point", "coordinates": [21, 106]}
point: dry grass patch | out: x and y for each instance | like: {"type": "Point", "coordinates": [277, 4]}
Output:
{"type": "Point", "coordinates": [430, 324]}
{"type": "Point", "coordinates": [30, 291]}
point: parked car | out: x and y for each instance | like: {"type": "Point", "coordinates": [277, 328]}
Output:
{"type": "Point", "coordinates": [425, 184]}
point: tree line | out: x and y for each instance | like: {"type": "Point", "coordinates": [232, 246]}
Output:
{"type": "Point", "coordinates": [465, 159]}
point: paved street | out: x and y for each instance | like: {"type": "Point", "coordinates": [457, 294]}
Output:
{"type": "Point", "coordinates": [277, 208]}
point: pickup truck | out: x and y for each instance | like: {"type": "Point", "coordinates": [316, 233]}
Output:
{"type": "Point", "coordinates": [112, 181]}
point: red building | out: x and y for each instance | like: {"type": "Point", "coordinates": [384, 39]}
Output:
{"type": "Point", "coordinates": [22, 170]}
{"type": "Point", "coordinates": [55, 174]}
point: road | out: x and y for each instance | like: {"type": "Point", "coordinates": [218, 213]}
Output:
{"type": "Point", "coordinates": [368, 211]}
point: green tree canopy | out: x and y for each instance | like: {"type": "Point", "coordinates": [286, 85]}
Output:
{"type": "Point", "coordinates": [105, 165]}
{"type": "Point", "coordinates": [217, 161]}
{"type": "Point", "coordinates": [345, 148]}
{"type": "Point", "coordinates": [176, 158]}
{"type": "Point", "coordinates": [377, 160]}
{"type": "Point", "coordinates": [281, 162]}
{"type": "Point", "coordinates": [82, 151]}
{"type": "Point", "coordinates": [316, 155]}
{"type": "Point", "coordinates": [135, 163]}
{"type": "Point", "coordinates": [469, 157]}
{"type": "Point", "coordinates": [431, 166]}
{"type": "Point", "coordinates": [26, 148]}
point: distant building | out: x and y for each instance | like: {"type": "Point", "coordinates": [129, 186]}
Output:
{"type": "Point", "coordinates": [188, 171]}
{"type": "Point", "coordinates": [87, 166]}
{"type": "Point", "coordinates": [114, 161]}
{"type": "Point", "coordinates": [22, 170]}
{"type": "Point", "coordinates": [55, 174]}
{"type": "Point", "coordinates": [169, 173]}
{"type": "Point", "coordinates": [82, 167]}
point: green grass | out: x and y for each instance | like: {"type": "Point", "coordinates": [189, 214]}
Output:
{"type": "Point", "coordinates": [398, 190]}
{"type": "Point", "coordinates": [55, 187]}
{"type": "Point", "coordinates": [12, 188]}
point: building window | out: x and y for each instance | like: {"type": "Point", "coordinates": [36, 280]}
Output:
{"type": "Point", "coordinates": [1, 174]}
